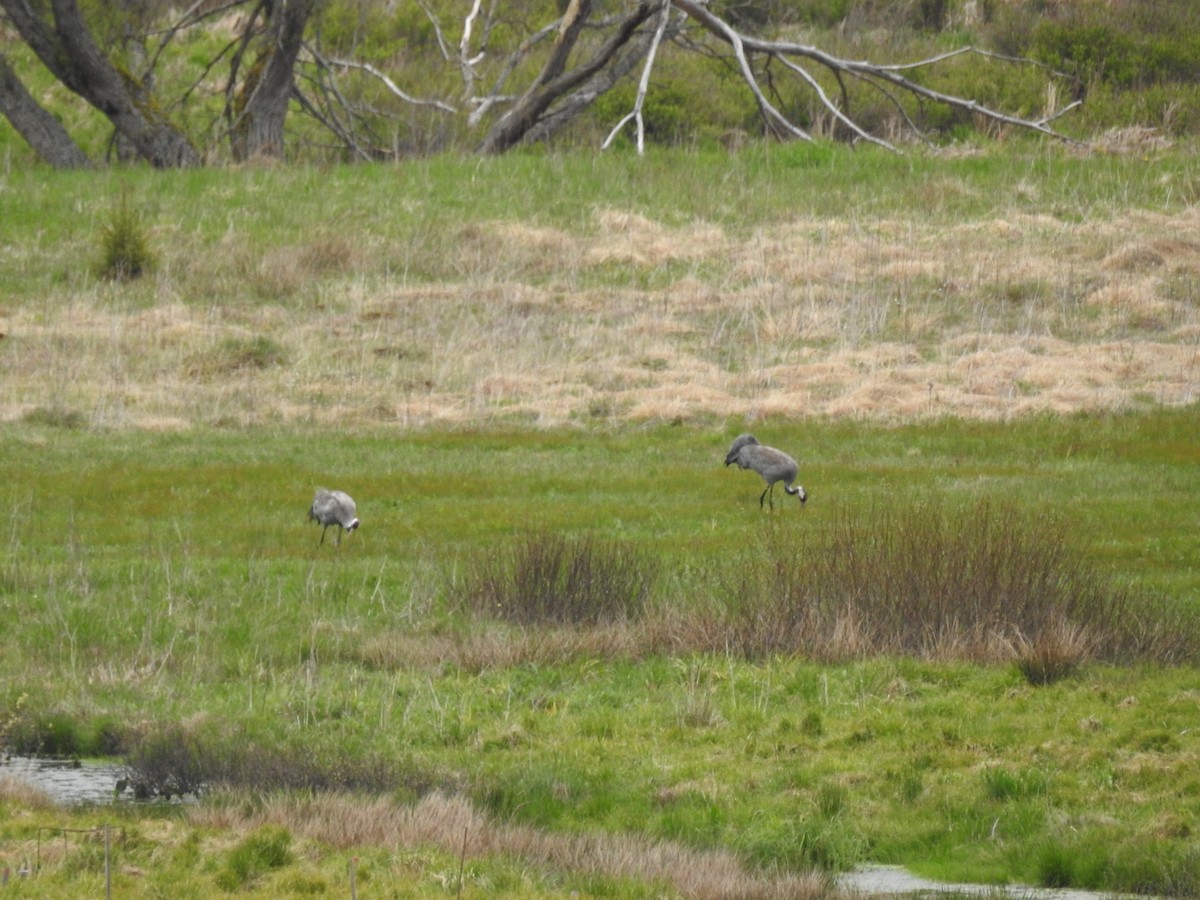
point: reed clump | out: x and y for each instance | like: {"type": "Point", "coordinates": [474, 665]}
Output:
{"type": "Point", "coordinates": [989, 582]}
{"type": "Point", "coordinates": [175, 761]}
{"type": "Point", "coordinates": [550, 579]}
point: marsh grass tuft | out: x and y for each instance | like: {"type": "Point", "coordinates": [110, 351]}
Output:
{"type": "Point", "coordinates": [551, 579]}
{"type": "Point", "coordinates": [1055, 654]}
{"type": "Point", "coordinates": [55, 417]}
{"type": "Point", "coordinates": [237, 354]}
{"type": "Point", "coordinates": [177, 761]}
{"type": "Point", "coordinates": [1002, 784]}
{"type": "Point", "coordinates": [262, 851]}
{"type": "Point", "coordinates": [986, 583]}
{"type": "Point", "coordinates": [1147, 866]}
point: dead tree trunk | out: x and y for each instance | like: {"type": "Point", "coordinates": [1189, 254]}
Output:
{"type": "Point", "coordinates": [44, 133]}
{"type": "Point", "coordinates": [66, 47]}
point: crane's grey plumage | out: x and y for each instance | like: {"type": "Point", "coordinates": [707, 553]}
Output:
{"type": "Point", "coordinates": [773, 465]}
{"type": "Point", "coordinates": [333, 508]}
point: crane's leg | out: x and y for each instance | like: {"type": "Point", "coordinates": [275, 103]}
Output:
{"type": "Point", "coordinates": [323, 530]}
{"type": "Point", "coordinates": [762, 497]}
{"type": "Point", "coordinates": [339, 535]}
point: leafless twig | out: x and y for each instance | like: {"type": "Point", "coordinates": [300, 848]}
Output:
{"type": "Point", "coordinates": [643, 85]}
{"type": "Point", "coordinates": [875, 74]}
{"type": "Point", "coordinates": [391, 85]}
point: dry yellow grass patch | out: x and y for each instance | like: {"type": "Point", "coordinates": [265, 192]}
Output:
{"type": "Point", "coordinates": [451, 824]}
{"type": "Point", "coordinates": [641, 321]}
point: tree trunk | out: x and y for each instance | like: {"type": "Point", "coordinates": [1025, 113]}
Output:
{"type": "Point", "coordinates": [259, 129]}
{"type": "Point", "coordinates": [67, 49]}
{"type": "Point", "coordinates": [44, 133]}
{"type": "Point", "coordinates": [555, 81]}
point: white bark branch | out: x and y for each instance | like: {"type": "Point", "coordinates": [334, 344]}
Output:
{"type": "Point", "coordinates": [643, 85]}
{"type": "Point", "coordinates": [391, 85]}
{"type": "Point", "coordinates": [437, 29]}
{"type": "Point", "coordinates": [723, 30]}
{"type": "Point", "coordinates": [872, 73]}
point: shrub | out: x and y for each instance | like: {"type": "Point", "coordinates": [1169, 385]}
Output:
{"type": "Point", "coordinates": [1097, 45]}
{"type": "Point", "coordinates": [170, 763]}
{"type": "Point", "coordinates": [551, 579]}
{"type": "Point", "coordinates": [53, 734]}
{"type": "Point", "coordinates": [125, 251]}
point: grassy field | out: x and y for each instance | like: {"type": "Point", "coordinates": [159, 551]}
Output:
{"type": "Point", "coordinates": [978, 357]}
{"type": "Point", "coordinates": [595, 291]}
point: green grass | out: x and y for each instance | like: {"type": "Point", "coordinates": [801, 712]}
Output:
{"type": "Point", "coordinates": [400, 221]}
{"type": "Point", "coordinates": [162, 581]}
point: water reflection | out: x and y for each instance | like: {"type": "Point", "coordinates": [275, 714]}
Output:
{"type": "Point", "coordinates": [67, 782]}
{"type": "Point", "coordinates": [879, 880]}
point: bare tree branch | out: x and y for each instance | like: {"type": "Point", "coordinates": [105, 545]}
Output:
{"type": "Point", "coordinates": [485, 104]}
{"type": "Point", "coordinates": [331, 124]}
{"type": "Point", "coordinates": [643, 85]}
{"type": "Point", "coordinates": [389, 84]}
{"type": "Point", "coordinates": [830, 105]}
{"type": "Point", "coordinates": [555, 71]}
{"type": "Point", "coordinates": [555, 80]}
{"type": "Point", "coordinates": [872, 73]}
{"type": "Point", "coordinates": [194, 14]}
{"type": "Point", "coordinates": [774, 118]}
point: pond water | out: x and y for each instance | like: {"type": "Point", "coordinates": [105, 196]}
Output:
{"type": "Point", "coordinates": [68, 782]}
{"type": "Point", "coordinates": [895, 880]}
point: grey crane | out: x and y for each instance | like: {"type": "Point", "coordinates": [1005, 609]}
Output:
{"type": "Point", "coordinates": [773, 465]}
{"type": "Point", "coordinates": [333, 508]}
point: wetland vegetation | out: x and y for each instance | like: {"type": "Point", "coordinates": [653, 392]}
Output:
{"type": "Point", "coordinates": [566, 651]}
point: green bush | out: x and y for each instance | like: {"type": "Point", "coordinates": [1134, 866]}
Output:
{"type": "Point", "coordinates": [125, 251]}
{"type": "Point", "coordinates": [1097, 45]}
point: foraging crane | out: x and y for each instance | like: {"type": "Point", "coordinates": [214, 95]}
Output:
{"type": "Point", "coordinates": [773, 465]}
{"type": "Point", "coordinates": [333, 508]}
